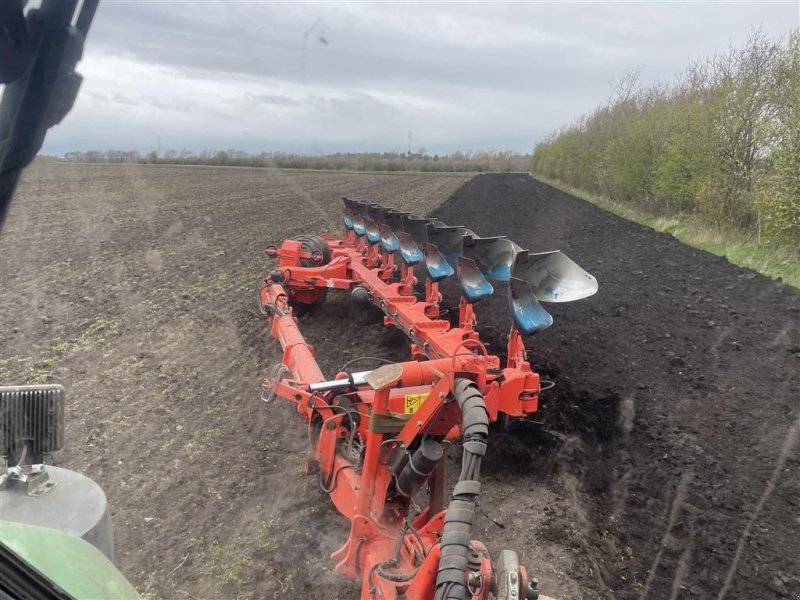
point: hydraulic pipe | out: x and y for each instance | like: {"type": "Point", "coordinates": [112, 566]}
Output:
{"type": "Point", "coordinates": [461, 511]}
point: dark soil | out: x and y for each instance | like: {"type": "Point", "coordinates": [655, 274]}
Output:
{"type": "Point", "coordinates": [135, 287]}
{"type": "Point", "coordinates": [667, 445]}
{"type": "Point", "coordinates": [678, 386]}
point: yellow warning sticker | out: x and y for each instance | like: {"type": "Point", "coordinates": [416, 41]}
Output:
{"type": "Point", "coordinates": [413, 402]}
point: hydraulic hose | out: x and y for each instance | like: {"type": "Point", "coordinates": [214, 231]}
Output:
{"type": "Point", "coordinates": [450, 583]}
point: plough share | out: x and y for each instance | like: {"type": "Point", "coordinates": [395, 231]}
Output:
{"type": "Point", "coordinates": [378, 437]}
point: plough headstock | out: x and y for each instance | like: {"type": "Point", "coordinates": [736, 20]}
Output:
{"type": "Point", "coordinates": [377, 436]}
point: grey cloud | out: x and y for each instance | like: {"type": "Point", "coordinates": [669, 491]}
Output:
{"type": "Point", "coordinates": [263, 41]}
{"type": "Point", "coordinates": [275, 100]}
{"type": "Point", "coordinates": [509, 73]}
{"type": "Point", "coordinates": [141, 101]}
{"type": "Point", "coordinates": [385, 43]}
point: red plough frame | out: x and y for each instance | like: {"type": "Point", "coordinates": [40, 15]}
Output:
{"type": "Point", "coordinates": [377, 438]}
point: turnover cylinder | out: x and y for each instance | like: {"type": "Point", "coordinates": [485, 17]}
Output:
{"type": "Point", "coordinates": [419, 468]}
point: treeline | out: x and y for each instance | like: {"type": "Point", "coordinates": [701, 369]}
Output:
{"type": "Point", "coordinates": [721, 143]}
{"type": "Point", "coordinates": [109, 156]}
{"type": "Point", "coordinates": [387, 161]}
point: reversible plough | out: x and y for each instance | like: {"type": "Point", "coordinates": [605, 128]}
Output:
{"type": "Point", "coordinates": [378, 437]}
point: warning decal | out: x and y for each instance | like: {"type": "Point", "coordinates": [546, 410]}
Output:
{"type": "Point", "coordinates": [413, 402]}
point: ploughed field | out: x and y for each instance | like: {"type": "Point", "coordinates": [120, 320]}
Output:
{"type": "Point", "coordinates": [664, 464]}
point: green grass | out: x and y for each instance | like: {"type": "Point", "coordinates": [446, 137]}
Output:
{"type": "Point", "coordinates": [778, 262]}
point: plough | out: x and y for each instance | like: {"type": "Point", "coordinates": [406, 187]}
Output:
{"type": "Point", "coordinates": [378, 437]}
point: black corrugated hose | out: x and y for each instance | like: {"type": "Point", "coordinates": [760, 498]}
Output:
{"type": "Point", "coordinates": [450, 584]}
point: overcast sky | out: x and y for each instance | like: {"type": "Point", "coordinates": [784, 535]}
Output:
{"type": "Point", "coordinates": [329, 77]}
